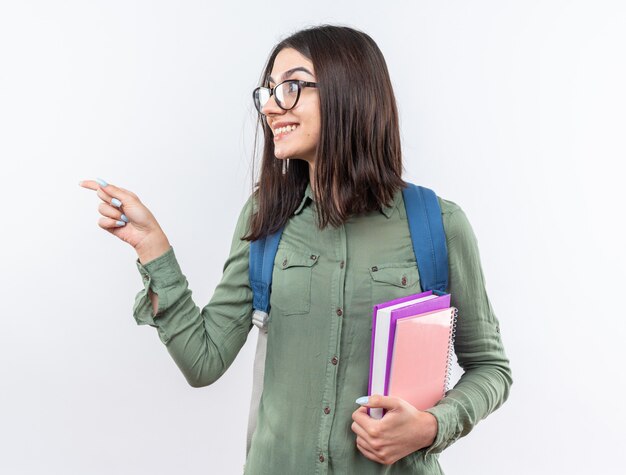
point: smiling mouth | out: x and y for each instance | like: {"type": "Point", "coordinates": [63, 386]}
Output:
{"type": "Point", "coordinates": [282, 132]}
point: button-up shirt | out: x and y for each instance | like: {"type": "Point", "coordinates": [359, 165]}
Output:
{"type": "Point", "coordinates": [324, 285]}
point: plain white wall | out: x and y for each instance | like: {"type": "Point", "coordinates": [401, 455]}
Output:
{"type": "Point", "coordinates": [514, 110]}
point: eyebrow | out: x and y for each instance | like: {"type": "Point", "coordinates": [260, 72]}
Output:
{"type": "Point", "coordinates": [289, 72]}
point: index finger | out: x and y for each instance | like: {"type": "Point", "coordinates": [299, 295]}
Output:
{"type": "Point", "coordinates": [90, 184]}
{"type": "Point", "coordinates": [109, 191]}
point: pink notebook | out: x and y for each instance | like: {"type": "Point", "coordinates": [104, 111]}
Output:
{"type": "Point", "coordinates": [422, 354]}
{"type": "Point", "coordinates": [385, 316]}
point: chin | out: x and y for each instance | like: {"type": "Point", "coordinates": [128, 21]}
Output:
{"type": "Point", "coordinates": [281, 154]}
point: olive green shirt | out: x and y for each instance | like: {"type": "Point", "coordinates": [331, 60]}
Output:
{"type": "Point", "coordinates": [324, 285]}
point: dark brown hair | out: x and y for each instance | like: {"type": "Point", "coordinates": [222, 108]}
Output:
{"type": "Point", "coordinates": [359, 161]}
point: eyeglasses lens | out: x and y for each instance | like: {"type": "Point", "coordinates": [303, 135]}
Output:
{"type": "Point", "coordinates": [261, 96]}
{"type": "Point", "coordinates": [287, 94]}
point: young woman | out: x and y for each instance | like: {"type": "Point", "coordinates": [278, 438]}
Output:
{"type": "Point", "coordinates": [331, 174]}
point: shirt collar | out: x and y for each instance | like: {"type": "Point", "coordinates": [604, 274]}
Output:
{"type": "Point", "coordinates": [308, 196]}
{"type": "Point", "coordinates": [397, 202]}
{"type": "Point", "coordinates": [386, 210]}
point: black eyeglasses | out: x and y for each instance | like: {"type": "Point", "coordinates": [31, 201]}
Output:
{"type": "Point", "coordinates": [286, 94]}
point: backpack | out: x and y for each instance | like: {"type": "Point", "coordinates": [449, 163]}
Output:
{"type": "Point", "coordinates": [431, 254]}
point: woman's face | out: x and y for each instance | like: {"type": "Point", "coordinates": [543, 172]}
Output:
{"type": "Point", "coordinates": [302, 141]}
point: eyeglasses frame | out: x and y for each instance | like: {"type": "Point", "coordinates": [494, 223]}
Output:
{"type": "Point", "coordinates": [301, 84]}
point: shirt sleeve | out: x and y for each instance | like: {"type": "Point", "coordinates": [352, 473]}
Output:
{"type": "Point", "coordinates": [203, 342]}
{"type": "Point", "coordinates": [486, 381]}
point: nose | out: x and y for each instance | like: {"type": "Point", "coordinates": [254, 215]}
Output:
{"type": "Point", "coordinates": [271, 108]}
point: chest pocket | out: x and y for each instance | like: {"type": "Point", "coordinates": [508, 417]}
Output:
{"type": "Point", "coordinates": [394, 280]}
{"type": "Point", "coordinates": [291, 281]}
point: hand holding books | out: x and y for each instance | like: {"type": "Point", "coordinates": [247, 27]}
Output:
{"type": "Point", "coordinates": [402, 431]}
{"type": "Point", "coordinates": [412, 344]}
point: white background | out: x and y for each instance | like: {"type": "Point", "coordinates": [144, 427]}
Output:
{"type": "Point", "coordinates": [514, 110]}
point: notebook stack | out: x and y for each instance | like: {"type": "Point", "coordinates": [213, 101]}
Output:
{"type": "Point", "coordinates": [412, 347]}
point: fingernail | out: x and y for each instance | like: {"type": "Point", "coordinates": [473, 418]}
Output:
{"type": "Point", "coordinates": [124, 218]}
{"type": "Point", "coordinates": [115, 202]}
{"type": "Point", "coordinates": [120, 223]}
{"type": "Point", "coordinates": [101, 182]}
{"type": "Point", "coordinates": [362, 400]}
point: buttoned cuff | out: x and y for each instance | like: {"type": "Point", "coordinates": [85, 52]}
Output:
{"type": "Point", "coordinates": [159, 275]}
{"type": "Point", "coordinates": [448, 429]}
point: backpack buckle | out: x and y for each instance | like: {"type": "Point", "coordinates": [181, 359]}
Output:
{"type": "Point", "coordinates": [259, 318]}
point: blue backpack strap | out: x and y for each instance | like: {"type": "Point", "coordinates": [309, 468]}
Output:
{"type": "Point", "coordinates": [428, 236]}
{"type": "Point", "coordinates": [262, 255]}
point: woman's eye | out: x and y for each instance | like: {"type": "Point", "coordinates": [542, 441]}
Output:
{"type": "Point", "coordinates": [293, 88]}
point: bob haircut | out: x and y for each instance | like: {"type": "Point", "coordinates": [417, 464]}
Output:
{"type": "Point", "coordinates": [358, 164]}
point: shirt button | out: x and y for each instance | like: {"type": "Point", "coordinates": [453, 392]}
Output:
{"type": "Point", "coordinates": [145, 277]}
{"type": "Point", "coordinates": [341, 264]}
{"type": "Point", "coordinates": [403, 280]}
{"type": "Point", "coordinates": [321, 457]}
{"type": "Point", "coordinates": [334, 360]}
{"type": "Point", "coordinates": [284, 262]}
{"type": "Point", "coordinates": [313, 256]}
{"type": "Point", "coordinates": [339, 312]}
{"type": "Point", "coordinates": [327, 410]}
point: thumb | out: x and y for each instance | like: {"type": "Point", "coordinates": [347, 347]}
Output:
{"type": "Point", "coordinates": [378, 400]}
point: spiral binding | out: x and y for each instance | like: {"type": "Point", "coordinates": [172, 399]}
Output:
{"type": "Point", "coordinates": [450, 350]}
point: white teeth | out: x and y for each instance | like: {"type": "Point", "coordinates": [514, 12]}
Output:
{"type": "Point", "coordinates": [282, 130]}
